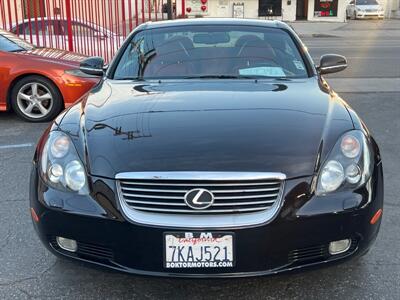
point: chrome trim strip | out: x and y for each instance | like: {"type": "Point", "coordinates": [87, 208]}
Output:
{"type": "Point", "coordinates": [153, 196]}
{"type": "Point", "coordinates": [194, 184]}
{"type": "Point", "coordinates": [247, 197]}
{"type": "Point", "coordinates": [212, 191]}
{"type": "Point", "coordinates": [91, 69]}
{"type": "Point", "coordinates": [156, 203]}
{"type": "Point", "coordinates": [153, 190]}
{"type": "Point", "coordinates": [216, 198]}
{"type": "Point", "coordinates": [200, 211]}
{"type": "Point", "coordinates": [200, 184]}
{"type": "Point", "coordinates": [193, 211]}
{"type": "Point", "coordinates": [234, 176]}
{"type": "Point", "coordinates": [194, 219]}
{"type": "Point", "coordinates": [334, 67]}
{"type": "Point", "coordinates": [244, 203]}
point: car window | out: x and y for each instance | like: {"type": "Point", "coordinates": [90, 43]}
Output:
{"type": "Point", "coordinates": [55, 27]}
{"type": "Point", "coordinates": [130, 61]}
{"type": "Point", "coordinates": [46, 27]}
{"type": "Point", "coordinates": [80, 29]}
{"type": "Point", "coordinates": [32, 28]}
{"type": "Point", "coordinates": [8, 46]}
{"type": "Point", "coordinates": [366, 2]}
{"type": "Point", "coordinates": [12, 42]}
{"type": "Point", "coordinates": [219, 50]}
{"type": "Point", "coordinates": [26, 28]}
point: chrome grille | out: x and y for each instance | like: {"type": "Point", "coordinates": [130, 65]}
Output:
{"type": "Point", "coordinates": [234, 192]}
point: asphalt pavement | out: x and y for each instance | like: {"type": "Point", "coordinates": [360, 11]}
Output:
{"type": "Point", "coordinates": [29, 271]}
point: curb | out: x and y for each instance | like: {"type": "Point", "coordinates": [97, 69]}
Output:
{"type": "Point", "coordinates": [365, 85]}
{"type": "Point", "coordinates": [318, 35]}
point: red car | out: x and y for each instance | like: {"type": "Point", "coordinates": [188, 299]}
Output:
{"type": "Point", "coordinates": [37, 83]}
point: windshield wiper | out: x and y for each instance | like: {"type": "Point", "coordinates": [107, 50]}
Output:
{"type": "Point", "coordinates": [17, 50]}
{"type": "Point", "coordinates": [219, 77]}
{"type": "Point", "coordinates": [130, 78]}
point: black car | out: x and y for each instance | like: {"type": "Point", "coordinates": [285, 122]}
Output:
{"type": "Point", "coordinates": [211, 148]}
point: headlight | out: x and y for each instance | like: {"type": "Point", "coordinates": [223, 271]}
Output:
{"type": "Point", "coordinates": [332, 176]}
{"type": "Point", "coordinates": [350, 146]}
{"type": "Point", "coordinates": [60, 146]}
{"type": "Point", "coordinates": [348, 165]}
{"type": "Point", "coordinates": [60, 165]}
{"type": "Point", "coordinates": [75, 175]}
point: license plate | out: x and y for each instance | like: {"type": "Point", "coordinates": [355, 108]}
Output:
{"type": "Point", "coordinates": [198, 250]}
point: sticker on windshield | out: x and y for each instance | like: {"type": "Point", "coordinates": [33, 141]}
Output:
{"type": "Point", "coordinates": [299, 65]}
{"type": "Point", "coordinates": [263, 71]}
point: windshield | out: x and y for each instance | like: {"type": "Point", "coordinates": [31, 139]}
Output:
{"type": "Point", "coordinates": [11, 43]}
{"type": "Point", "coordinates": [366, 2]}
{"type": "Point", "coordinates": [217, 51]}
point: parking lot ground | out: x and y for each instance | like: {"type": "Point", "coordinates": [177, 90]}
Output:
{"type": "Point", "coordinates": [354, 29]}
{"type": "Point", "coordinates": [29, 271]}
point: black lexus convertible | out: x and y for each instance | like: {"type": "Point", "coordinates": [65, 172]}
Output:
{"type": "Point", "coordinates": [210, 148]}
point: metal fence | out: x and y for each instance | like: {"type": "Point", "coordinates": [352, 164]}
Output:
{"type": "Point", "coordinates": [90, 27]}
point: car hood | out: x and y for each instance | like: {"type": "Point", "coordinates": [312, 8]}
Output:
{"type": "Point", "coordinates": [206, 125]}
{"type": "Point", "coordinates": [56, 55]}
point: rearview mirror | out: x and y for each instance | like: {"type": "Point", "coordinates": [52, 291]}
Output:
{"type": "Point", "coordinates": [211, 38]}
{"type": "Point", "coordinates": [332, 63]}
{"type": "Point", "coordinates": [93, 66]}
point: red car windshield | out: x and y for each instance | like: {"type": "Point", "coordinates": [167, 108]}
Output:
{"type": "Point", "coordinates": [11, 43]}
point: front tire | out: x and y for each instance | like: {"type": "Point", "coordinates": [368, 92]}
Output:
{"type": "Point", "coordinates": [36, 99]}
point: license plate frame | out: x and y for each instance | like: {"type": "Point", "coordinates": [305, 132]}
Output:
{"type": "Point", "coordinates": [212, 264]}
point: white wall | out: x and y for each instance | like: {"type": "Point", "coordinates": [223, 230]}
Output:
{"type": "Point", "coordinates": [289, 11]}
{"type": "Point", "coordinates": [215, 10]}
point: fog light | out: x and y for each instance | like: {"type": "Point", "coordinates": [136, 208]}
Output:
{"type": "Point", "coordinates": [338, 247]}
{"type": "Point", "coordinates": [67, 244]}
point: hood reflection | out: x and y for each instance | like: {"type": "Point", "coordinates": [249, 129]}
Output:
{"type": "Point", "coordinates": [209, 125]}
{"type": "Point", "coordinates": [117, 131]}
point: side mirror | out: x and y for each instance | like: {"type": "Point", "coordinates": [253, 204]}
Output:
{"type": "Point", "coordinates": [93, 66]}
{"type": "Point", "coordinates": [332, 63]}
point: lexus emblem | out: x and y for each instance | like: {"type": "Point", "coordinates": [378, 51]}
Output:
{"type": "Point", "coordinates": [199, 198]}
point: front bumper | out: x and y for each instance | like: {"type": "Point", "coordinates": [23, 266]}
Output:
{"type": "Point", "coordinates": [297, 238]}
{"type": "Point", "coordinates": [374, 14]}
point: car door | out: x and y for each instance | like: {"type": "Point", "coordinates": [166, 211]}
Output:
{"type": "Point", "coordinates": [5, 46]}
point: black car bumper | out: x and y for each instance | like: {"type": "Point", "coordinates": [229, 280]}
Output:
{"type": "Point", "coordinates": [298, 237]}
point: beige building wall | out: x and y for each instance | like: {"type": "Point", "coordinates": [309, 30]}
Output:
{"type": "Point", "coordinates": [224, 8]}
